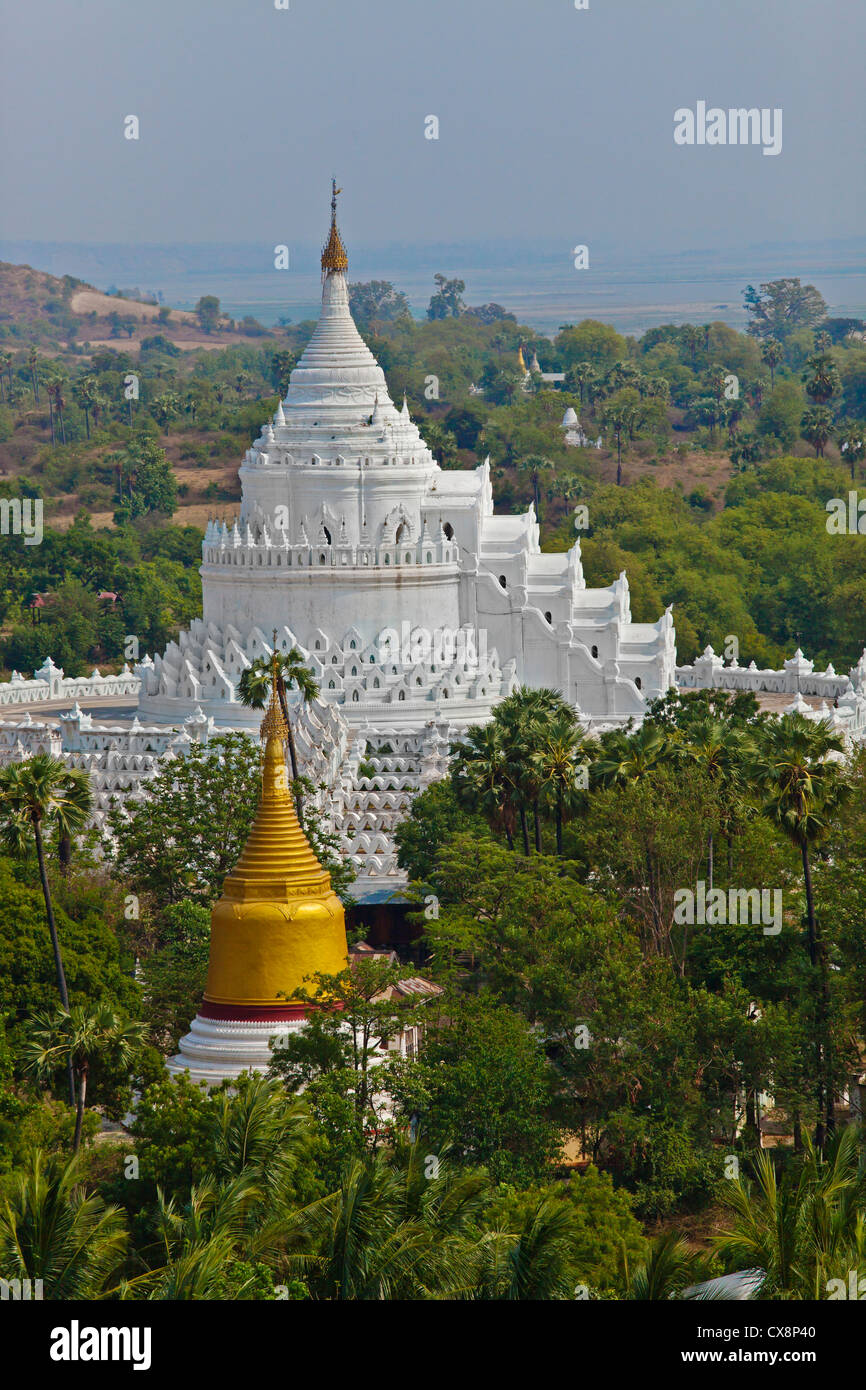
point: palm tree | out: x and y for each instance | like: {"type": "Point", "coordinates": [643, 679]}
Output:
{"type": "Point", "coordinates": [795, 766]}
{"type": "Point", "coordinates": [617, 419]}
{"type": "Point", "coordinates": [262, 1131]}
{"type": "Point", "coordinates": [569, 489]}
{"type": "Point", "coordinates": [482, 775]}
{"type": "Point", "coordinates": [692, 340]}
{"type": "Point", "coordinates": [166, 407]}
{"type": "Point", "coordinates": [33, 365]}
{"type": "Point", "coordinates": [358, 1243]}
{"type": "Point", "coordinates": [754, 391]}
{"type": "Point", "coordinates": [75, 1037]}
{"type": "Point", "coordinates": [803, 1228]}
{"type": "Point", "coordinates": [41, 791]}
{"type": "Point", "coordinates": [562, 748]}
{"type": "Point", "coordinates": [772, 353]}
{"type": "Point", "coordinates": [260, 1137]}
{"type": "Point", "coordinates": [51, 1229]}
{"type": "Point", "coordinates": [522, 718]}
{"type": "Point", "coordinates": [851, 444]}
{"type": "Point", "coordinates": [5, 370]}
{"type": "Point", "coordinates": [628, 757]}
{"type": "Point", "coordinates": [706, 332]}
{"type": "Point", "coordinates": [535, 465]}
{"type": "Point", "coordinates": [533, 1262]}
{"type": "Point", "coordinates": [656, 387]}
{"type": "Point", "coordinates": [293, 673]}
{"type": "Point", "coordinates": [440, 441]}
{"type": "Point", "coordinates": [621, 374]}
{"type": "Point", "coordinates": [85, 392]}
{"type": "Point", "coordinates": [581, 377]}
{"type": "Point", "coordinates": [817, 426]}
{"type": "Point", "coordinates": [732, 414]}
{"type": "Point", "coordinates": [669, 1269]}
{"type": "Point", "coordinates": [719, 750]}
{"type": "Point", "coordinates": [195, 1241]}
{"type": "Point", "coordinates": [56, 405]}
{"type": "Point", "coordinates": [822, 379]}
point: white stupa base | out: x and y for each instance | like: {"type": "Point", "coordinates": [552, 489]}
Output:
{"type": "Point", "coordinates": [216, 1050]}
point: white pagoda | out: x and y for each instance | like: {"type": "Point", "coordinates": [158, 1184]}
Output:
{"type": "Point", "coordinates": [414, 603]}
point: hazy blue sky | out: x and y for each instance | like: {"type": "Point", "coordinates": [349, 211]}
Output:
{"type": "Point", "coordinates": [554, 123]}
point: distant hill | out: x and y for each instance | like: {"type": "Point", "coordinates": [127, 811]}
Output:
{"type": "Point", "coordinates": [28, 295]}
{"type": "Point", "coordinates": [51, 313]}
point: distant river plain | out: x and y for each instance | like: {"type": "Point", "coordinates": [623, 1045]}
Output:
{"type": "Point", "coordinates": [537, 283]}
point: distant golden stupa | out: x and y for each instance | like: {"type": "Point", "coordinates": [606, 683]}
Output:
{"type": "Point", "coordinates": [277, 923]}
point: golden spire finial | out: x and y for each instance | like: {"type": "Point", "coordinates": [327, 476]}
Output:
{"type": "Point", "coordinates": [334, 254]}
{"type": "Point", "coordinates": [274, 723]}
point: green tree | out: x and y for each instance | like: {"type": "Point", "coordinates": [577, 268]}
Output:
{"type": "Point", "coordinates": [150, 480]}
{"type": "Point", "coordinates": [282, 364]}
{"type": "Point", "coordinates": [590, 341]}
{"type": "Point", "coordinates": [338, 1059]}
{"type": "Point", "coordinates": [440, 441]}
{"type": "Point", "coordinates": [795, 766]}
{"type": "Point", "coordinates": [484, 1085]}
{"type": "Point", "coordinates": [720, 751]}
{"type": "Point", "coordinates": [447, 302]}
{"type": "Point", "coordinates": [668, 1270]}
{"type": "Point", "coordinates": [377, 299]}
{"type": "Point", "coordinates": [434, 816]}
{"type": "Point", "coordinates": [781, 413]}
{"type": "Point", "coordinates": [781, 307]}
{"type": "Point", "coordinates": [185, 837]}
{"type": "Point", "coordinates": [485, 779]}
{"type": "Point", "coordinates": [362, 1242]}
{"type": "Point", "coordinates": [76, 1037]}
{"type": "Point", "coordinates": [174, 975]}
{"type": "Point", "coordinates": [533, 1260]}
{"type": "Point", "coordinates": [207, 311]}
{"type": "Point", "coordinates": [34, 793]}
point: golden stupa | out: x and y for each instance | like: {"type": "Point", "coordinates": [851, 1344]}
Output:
{"type": "Point", "coordinates": [334, 252]}
{"type": "Point", "coordinates": [278, 921]}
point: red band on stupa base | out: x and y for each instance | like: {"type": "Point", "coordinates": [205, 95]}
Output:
{"type": "Point", "coordinates": [265, 1013]}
